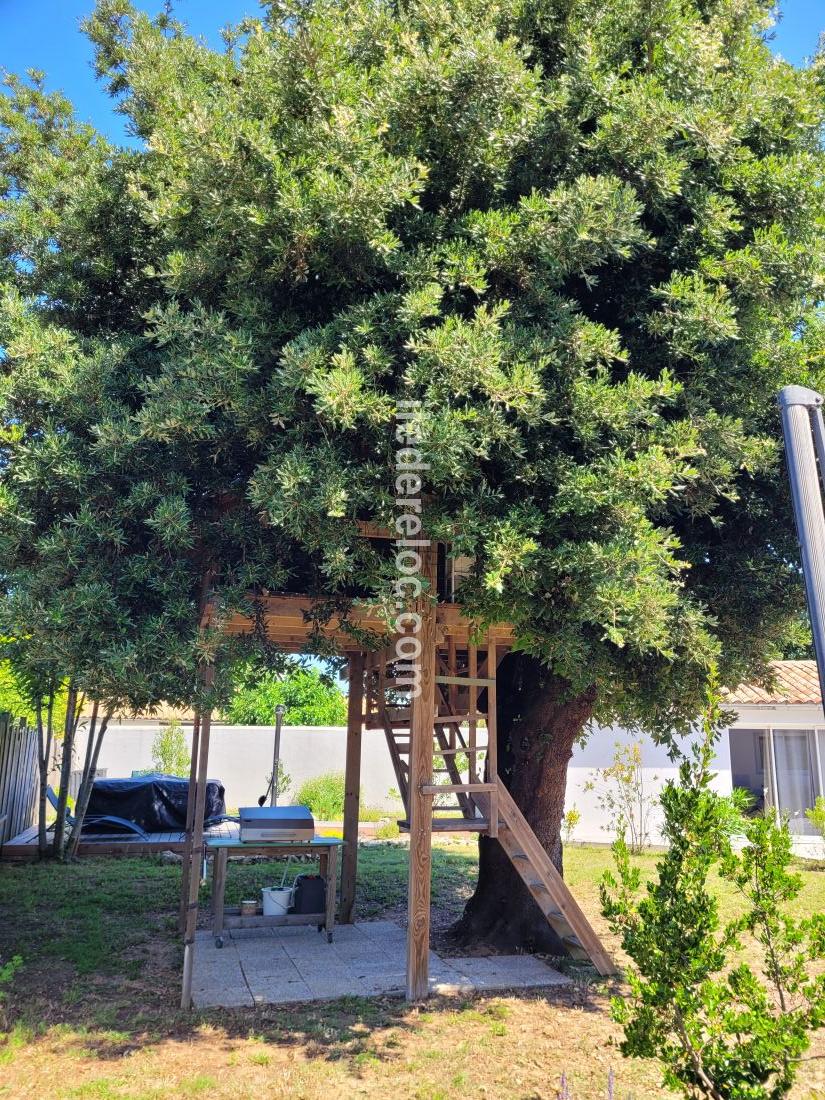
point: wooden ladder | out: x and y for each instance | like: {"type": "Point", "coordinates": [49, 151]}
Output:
{"type": "Point", "coordinates": [457, 691]}
{"type": "Point", "coordinates": [485, 804]}
{"type": "Point", "coordinates": [549, 890]}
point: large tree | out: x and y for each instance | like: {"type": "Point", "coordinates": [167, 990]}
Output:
{"type": "Point", "coordinates": [586, 236]}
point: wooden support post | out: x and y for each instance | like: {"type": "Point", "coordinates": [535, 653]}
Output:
{"type": "Point", "coordinates": [492, 736]}
{"type": "Point", "coordinates": [472, 737]}
{"type": "Point", "coordinates": [352, 787]}
{"type": "Point", "coordinates": [186, 865]}
{"type": "Point", "coordinates": [197, 851]}
{"type": "Point", "coordinates": [421, 809]}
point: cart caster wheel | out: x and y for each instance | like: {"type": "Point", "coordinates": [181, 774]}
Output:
{"type": "Point", "coordinates": [329, 937]}
{"type": "Point", "coordinates": [320, 928]}
{"type": "Point", "coordinates": [219, 941]}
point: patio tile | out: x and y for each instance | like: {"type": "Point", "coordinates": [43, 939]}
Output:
{"type": "Point", "coordinates": [379, 927]}
{"type": "Point", "coordinates": [222, 997]}
{"type": "Point", "coordinates": [217, 963]}
{"type": "Point", "coordinates": [280, 992]}
{"type": "Point", "coordinates": [313, 975]}
{"type": "Point", "coordinates": [250, 933]}
{"type": "Point", "coordinates": [295, 932]}
{"type": "Point", "coordinates": [350, 933]}
{"type": "Point", "coordinates": [385, 983]}
{"type": "Point", "coordinates": [529, 970]}
{"type": "Point", "coordinates": [324, 953]}
{"type": "Point", "coordinates": [281, 969]}
{"type": "Point", "coordinates": [330, 986]}
{"type": "Point", "coordinates": [260, 949]}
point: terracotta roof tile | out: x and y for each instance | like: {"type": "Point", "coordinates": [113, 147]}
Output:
{"type": "Point", "coordinates": [794, 682]}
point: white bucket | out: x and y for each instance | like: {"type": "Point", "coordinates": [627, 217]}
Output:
{"type": "Point", "coordinates": [277, 900]}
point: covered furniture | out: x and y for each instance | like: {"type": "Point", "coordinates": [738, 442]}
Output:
{"type": "Point", "coordinates": [155, 803]}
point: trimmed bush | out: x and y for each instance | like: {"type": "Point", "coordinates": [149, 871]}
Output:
{"type": "Point", "coordinates": [324, 795]}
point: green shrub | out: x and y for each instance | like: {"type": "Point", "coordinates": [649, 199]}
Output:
{"type": "Point", "coordinates": [310, 698]}
{"type": "Point", "coordinates": [388, 831]}
{"type": "Point", "coordinates": [816, 815]}
{"type": "Point", "coordinates": [170, 754]}
{"type": "Point", "coordinates": [7, 972]}
{"type": "Point", "coordinates": [324, 794]}
{"type": "Point", "coordinates": [722, 1029]}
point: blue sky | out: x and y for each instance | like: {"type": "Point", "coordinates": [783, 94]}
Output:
{"type": "Point", "coordinates": [43, 34]}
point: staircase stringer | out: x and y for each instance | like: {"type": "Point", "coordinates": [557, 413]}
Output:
{"type": "Point", "coordinates": [397, 763]}
{"type": "Point", "coordinates": [547, 887]}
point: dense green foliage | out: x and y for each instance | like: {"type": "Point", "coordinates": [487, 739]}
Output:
{"type": "Point", "coordinates": [723, 1029]}
{"type": "Point", "coordinates": [586, 237]}
{"type": "Point", "coordinates": [324, 795]}
{"type": "Point", "coordinates": [12, 699]}
{"type": "Point", "coordinates": [310, 698]}
{"type": "Point", "coordinates": [170, 753]}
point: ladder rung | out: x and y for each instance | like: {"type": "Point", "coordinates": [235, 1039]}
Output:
{"type": "Point", "coordinates": [465, 681]}
{"type": "Point", "coordinates": [447, 719]}
{"type": "Point", "coordinates": [455, 752]}
{"type": "Point", "coordinates": [453, 825]}
{"type": "Point", "coordinates": [457, 788]}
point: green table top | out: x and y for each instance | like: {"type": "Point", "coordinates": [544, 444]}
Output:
{"type": "Point", "coordinates": [233, 842]}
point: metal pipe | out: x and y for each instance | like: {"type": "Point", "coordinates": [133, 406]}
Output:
{"type": "Point", "coordinates": [801, 406]}
{"type": "Point", "coordinates": [280, 710]}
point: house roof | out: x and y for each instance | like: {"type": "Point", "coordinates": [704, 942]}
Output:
{"type": "Point", "coordinates": [795, 682]}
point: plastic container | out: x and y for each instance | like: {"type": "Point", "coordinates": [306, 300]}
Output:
{"type": "Point", "coordinates": [276, 900]}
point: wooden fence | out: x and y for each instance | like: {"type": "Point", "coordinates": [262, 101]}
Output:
{"type": "Point", "coordinates": [18, 777]}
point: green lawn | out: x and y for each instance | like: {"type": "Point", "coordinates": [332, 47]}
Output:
{"type": "Point", "coordinates": [92, 1013]}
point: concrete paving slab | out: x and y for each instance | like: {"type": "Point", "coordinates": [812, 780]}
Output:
{"type": "Point", "coordinates": [249, 933]}
{"type": "Point", "coordinates": [328, 987]}
{"type": "Point", "coordinates": [215, 997]}
{"type": "Point", "coordinates": [281, 993]}
{"type": "Point", "coordinates": [291, 964]}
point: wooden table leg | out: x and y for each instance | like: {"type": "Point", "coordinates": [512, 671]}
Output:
{"type": "Point", "coordinates": [218, 891]}
{"type": "Point", "coordinates": [331, 883]}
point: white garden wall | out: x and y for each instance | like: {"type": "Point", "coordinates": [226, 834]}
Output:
{"type": "Point", "coordinates": [241, 757]}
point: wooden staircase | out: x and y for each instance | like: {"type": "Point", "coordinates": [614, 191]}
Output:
{"type": "Point", "coordinates": [468, 765]}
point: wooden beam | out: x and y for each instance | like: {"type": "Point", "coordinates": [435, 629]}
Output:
{"type": "Point", "coordinates": [186, 866]}
{"type": "Point", "coordinates": [420, 809]}
{"type": "Point", "coordinates": [196, 850]}
{"type": "Point", "coordinates": [287, 622]}
{"type": "Point", "coordinates": [352, 786]}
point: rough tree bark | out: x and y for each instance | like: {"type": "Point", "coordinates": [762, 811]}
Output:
{"type": "Point", "coordinates": [45, 731]}
{"type": "Point", "coordinates": [94, 742]}
{"type": "Point", "coordinates": [539, 721]}
{"type": "Point", "coordinates": [74, 703]}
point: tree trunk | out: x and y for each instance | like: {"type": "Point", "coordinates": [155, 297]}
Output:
{"type": "Point", "coordinates": [539, 721]}
{"type": "Point", "coordinates": [69, 727]}
{"type": "Point", "coordinates": [44, 752]}
{"type": "Point", "coordinates": [93, 746]}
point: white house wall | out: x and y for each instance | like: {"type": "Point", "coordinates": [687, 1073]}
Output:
{"type": "Point", "coordinates": [597, 825]}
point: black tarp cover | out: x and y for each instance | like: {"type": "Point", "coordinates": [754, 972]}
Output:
{"type": "Point", "coordinates": [157, 803]}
